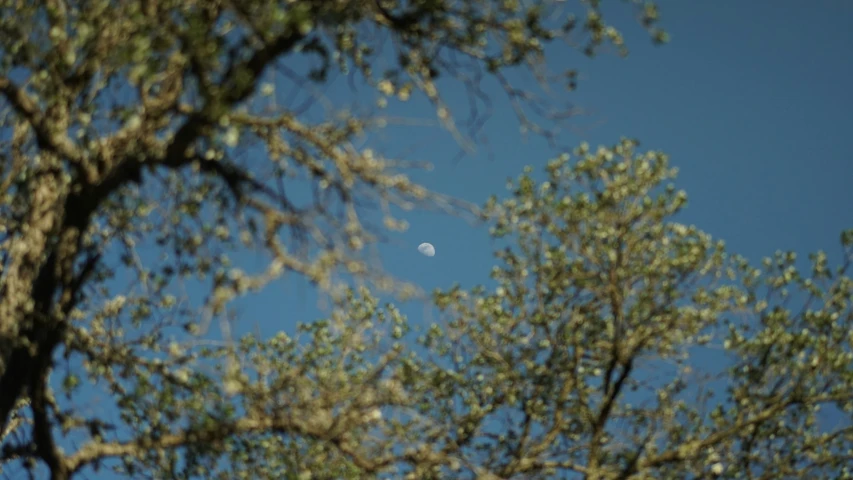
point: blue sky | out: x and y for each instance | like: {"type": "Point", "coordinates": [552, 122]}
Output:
{"type": "Point", "coordinates": [748, 99]}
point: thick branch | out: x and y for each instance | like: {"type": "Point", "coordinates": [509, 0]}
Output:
{"type": "Point", "coordinates": [42, 429]}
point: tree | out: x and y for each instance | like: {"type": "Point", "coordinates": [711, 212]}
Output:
{"type": "Point", "coordinates": [146, 143]}
{"type": "Point", "coordinates": [584, 351]}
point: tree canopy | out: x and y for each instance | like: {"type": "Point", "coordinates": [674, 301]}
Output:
{"type": "Point", "coordinates": [146, 144]}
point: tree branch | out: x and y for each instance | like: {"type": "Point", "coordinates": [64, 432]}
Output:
{"type": "Point", "coordinates": [42, 428]}
{"type": "Point", "coordinates": [96, 451]}
{"type": "Point", "coordinates": [47, 137]}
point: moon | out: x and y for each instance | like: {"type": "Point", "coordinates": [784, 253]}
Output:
{"type": "Point", "coordinates": [426, 249]}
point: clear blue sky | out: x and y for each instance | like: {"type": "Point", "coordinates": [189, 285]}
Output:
{"type": "Point", "coordinates": [748, 99]}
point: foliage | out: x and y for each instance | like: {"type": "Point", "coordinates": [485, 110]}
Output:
{"type": "Point", "coordinates": [147, 145]}
{"type": "Point", "coordinates": [579, 362]}
{"type": "Point", "coordinates": [585, 351]}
